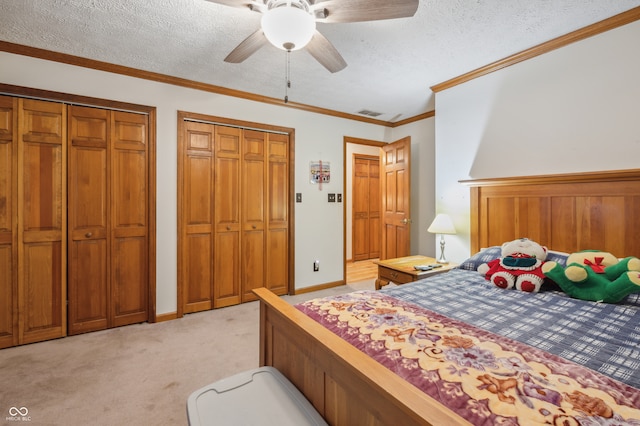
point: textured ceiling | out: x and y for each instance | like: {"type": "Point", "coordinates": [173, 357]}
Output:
{"type": "Point", "coordinates": [391, 64]}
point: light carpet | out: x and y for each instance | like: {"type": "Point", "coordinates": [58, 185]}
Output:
{"type": "Point", "coordinates": [139, 374]}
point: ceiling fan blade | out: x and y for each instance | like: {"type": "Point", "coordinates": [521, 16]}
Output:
{"type": "Point", "coordinates": [248, 47]}
{"type": "Point", "coordinates": [325, 53]}
{"type": "Point", "coordinates": [365, 10]}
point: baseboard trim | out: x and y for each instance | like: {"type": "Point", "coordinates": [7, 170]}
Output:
{"type": "Point", "coordinates": [166, 317]}
{"type": "Point", "coordinates": [318, 287]}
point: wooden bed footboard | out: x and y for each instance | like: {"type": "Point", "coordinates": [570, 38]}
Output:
{"type": "Point", "coordinates": [343, 384]}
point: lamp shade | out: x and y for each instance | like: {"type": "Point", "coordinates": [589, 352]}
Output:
{"type": "Point", "coordinates": [288, 27]}
{"type": "Point", "coordinates": [442, 224]}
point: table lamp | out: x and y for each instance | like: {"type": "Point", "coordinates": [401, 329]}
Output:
{"type": "Point", "coordinates": [442, 224]}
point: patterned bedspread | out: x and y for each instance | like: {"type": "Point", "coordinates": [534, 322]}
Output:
{"type": "Point", "coordinates": [485, 378]}
{"type": "Point", "coordinates": [604, 337]}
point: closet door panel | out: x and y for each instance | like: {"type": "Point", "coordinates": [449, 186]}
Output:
{"type": "Point", "coordinates": [227, 216]}
{"type": "Point", "coordinates": [374, 209]}
{"type": "Point", "coordinates": [129, 231]}
{"type": "Point", "coordinates": [129, 287]}
{"type": "Point", "coordinates": [360, 208]}
{"type": "Point", "coordinates": [88, 187]}
{"type": "Point", "coordinates": [196, 217]}
{"type": "Point", "coordinates": [88, 304]}
{"type": "Point", "coordinates": [8, 299]}
{"type": "Point", "coordinates": [278, 261]}
{"type": "Point", "coordinates": [198, 286]}
{"type": "Point", "coordinates": [8, 224]}
{"type": "Point", "coordinates": [42, 276]}
{"type": "Point", "coordinates": [43, 197]}
{"type": "Point", "coordinates": [226, 289]}
{"type": "Point", "coordinates": [253, 212]}
{"type": "Point", "coordinates": [41, 313]}
{"type": "Point", "coordinates": [278, 214]}
{"type": "Point", "coordinates": [129, 176]}
{"type": "Point", "coordinates": [253, 263]}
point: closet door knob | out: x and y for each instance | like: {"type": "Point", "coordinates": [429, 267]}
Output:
{"type": "Point", "coordinates": [88, 234]}
{"type": "Point", "coordinates": [253, 226]}
{"type": "Point", "coordinates": [228, 228]}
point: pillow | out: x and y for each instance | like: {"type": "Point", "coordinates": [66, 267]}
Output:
{"type": "Point", "coordinates": [483, 256]}
{"type": "Point", "coordinates": [490, 253]}
{"type": "Point", "coordinates": [559, 257]}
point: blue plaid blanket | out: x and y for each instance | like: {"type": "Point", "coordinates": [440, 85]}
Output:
{"type": "Point", "coordinates": [603, 337]}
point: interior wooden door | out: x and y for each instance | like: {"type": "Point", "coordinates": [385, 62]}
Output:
{"type": "Point", "coordinates": [42, 199]}
{"type": "Point", "coordinates": [88, 186]}
{"type": "Point", "coordinates": [396, 203]}
{"type": "Point", "coordinates": [129, 218]}
{"type": "Point", "coordinates": [365, 208]}
{"type": "Point", "coordinates": [8, 223]}
{"type": "Point", "coordinates": [277, 269]}
{"type": "Point", "coordinates": [253, 212]}
{"type": "Point", "coordinates": [227, 216]}
{"type": "Point", "coordinates": [196, 215]}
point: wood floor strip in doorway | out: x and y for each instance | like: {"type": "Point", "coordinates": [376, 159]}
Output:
{"type": "Point", "coordinates": [361, 270]}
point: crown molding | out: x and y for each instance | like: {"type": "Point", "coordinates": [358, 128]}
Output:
{"type": "Point", "coordinates": [616, 21]}
{"type": "Point", "coordinates": [64, 58]}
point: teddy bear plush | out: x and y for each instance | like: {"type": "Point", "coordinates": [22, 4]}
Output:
{"type": "Point", "coordinates": [596, 275]}
{"type": "Point", "coordinates": [520, 266]}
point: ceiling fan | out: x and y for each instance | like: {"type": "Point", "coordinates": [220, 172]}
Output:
{"type": "Point", "coordinates": [291, 24]}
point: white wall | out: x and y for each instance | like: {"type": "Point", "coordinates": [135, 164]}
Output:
{"type": "Point", "coordinates": [571, 110]}
{"type": "Point", "coordinates": [318, 224]}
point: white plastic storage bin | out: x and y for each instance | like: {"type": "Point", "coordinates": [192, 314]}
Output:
{"type": "Point", "coordinates": [256, 397]}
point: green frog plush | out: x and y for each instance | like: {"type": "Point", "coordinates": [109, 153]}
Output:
{"type": "Point", "coordinates": [596, 275]}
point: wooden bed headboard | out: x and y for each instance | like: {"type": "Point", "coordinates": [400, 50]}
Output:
{"type": "Point", "coordinates": [568, 212]}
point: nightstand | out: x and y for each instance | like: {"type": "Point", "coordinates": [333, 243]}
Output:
{"type": "Point", "coordinates": [401, 270]}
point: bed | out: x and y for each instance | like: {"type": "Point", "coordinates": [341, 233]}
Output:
{"type": "Point", "coordinates": [355, 383]}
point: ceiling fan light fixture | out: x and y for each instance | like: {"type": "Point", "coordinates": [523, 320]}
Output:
{"type": "Point", "coordinates": [288, 27]}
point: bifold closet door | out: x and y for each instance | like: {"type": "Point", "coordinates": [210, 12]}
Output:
{"type": "Point", "coordinates": [42, 242]}
{"type": "Point", "coordinates": [254, 179]}
{"type": "Point", "coordinates": [233, 214]}
{"type": "Point", "coordinates": [277, 207]}
{"type": "Point", "coordinates": [227, 181]}
{"type": "Point", "coordinates": [196, 217]}
{"type": "Point", "coordinates": [129, 218]}
{"type": "Point", "coordinates": [8, 223]}
{"type": "Point", "coordinates": [88, 288]}
{"type": "Point", "coordinates": [108, 272]}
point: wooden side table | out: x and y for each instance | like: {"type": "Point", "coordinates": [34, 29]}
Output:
{"type": "Point", "coordinates": [401, 270]}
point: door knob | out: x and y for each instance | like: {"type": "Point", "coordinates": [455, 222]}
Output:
{"type": "Point", "coordinates": [88, 234]}
{"type": "Point", "coordinates": [405, 221]}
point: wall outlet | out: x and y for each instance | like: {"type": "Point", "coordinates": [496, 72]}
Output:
{"type": "Point", "coordinates": [316, 266]}
{"type": "Point", "coordinates": [332, 198]}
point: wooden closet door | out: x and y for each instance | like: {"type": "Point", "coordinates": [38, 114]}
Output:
{"type": "Point", "coordinates": [88, 188]}
{"type": "Point", "coordinates": [42, 247]}
{"type": "Point", "coordinates": [375, 232]}
{"type": "Point", "coordinates": [8, 223]}
{"type": "Point", "coordinates": [366, 208]}
{"type": "Point", "coordinates": [277, 243]}
{"type": "Point", "coordinates": [129, 219]}
{"type": "Point", "coordinates": [253, 212]}
{"type": "Point", "coordinates": [227, 216]}
{"type": "Point", "coordinates": [196, 217]}
{"type": "Point", "coordinates": [360, 207]}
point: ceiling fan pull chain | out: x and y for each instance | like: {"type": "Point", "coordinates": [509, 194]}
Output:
{"type": "Point", "coordinates": [287, 77]}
